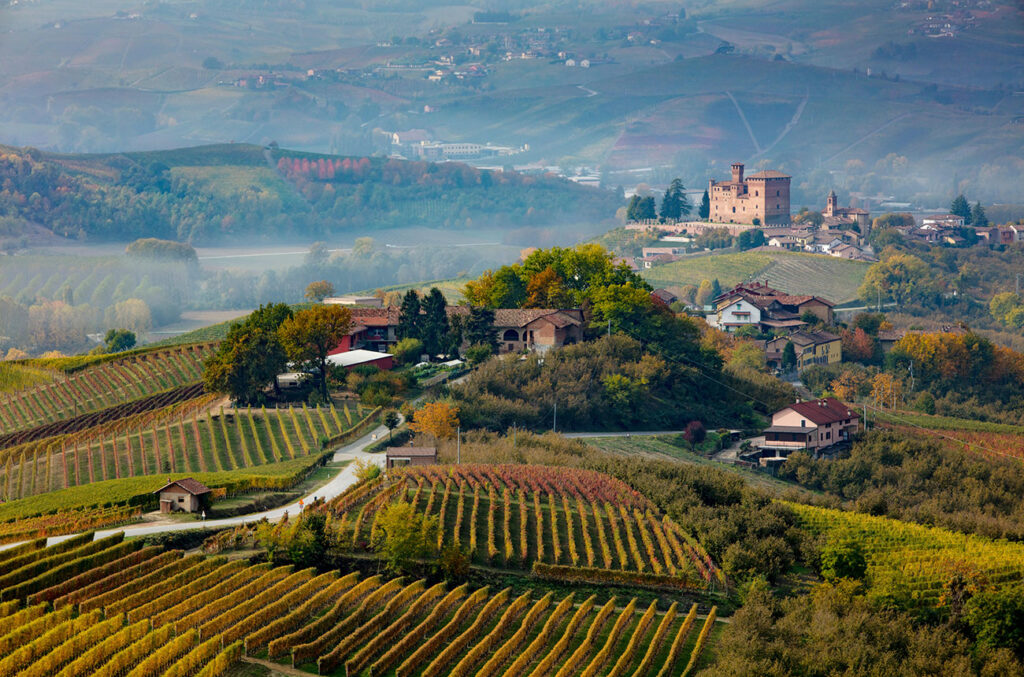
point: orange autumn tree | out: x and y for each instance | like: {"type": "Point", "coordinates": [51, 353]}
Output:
{"type": "Point", "coordinates": [439, 419]}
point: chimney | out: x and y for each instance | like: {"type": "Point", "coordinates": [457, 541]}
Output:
{"type": "Point", "coordinates": [737, 172]}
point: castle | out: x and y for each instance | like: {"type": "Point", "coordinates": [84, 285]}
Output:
{"type": "Point", "coordinates": [759, 199]}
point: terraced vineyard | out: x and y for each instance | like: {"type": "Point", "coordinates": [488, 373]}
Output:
{"type": "Point", "coordinates": [183, 438]}
{"type": "Point", "coordinates": [827, 276]}
{"type": "Point", "coordinates": [914, 561]}
{"type": "Point", "coordinates": [111, 607]}
{"type": "Point", "coordinates": [564, 523]}
{"type": "Point", "coordinates": [102, 386]}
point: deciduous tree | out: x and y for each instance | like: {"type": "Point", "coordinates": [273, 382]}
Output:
{"type": "Point", "coordinates": [309, 335]}
{"type": "Point", "coordinates": [439, 419]}
{"type": "Point", "coordinates": [318, 291]}
{"type": "Point", "coordinates": [403, 535]}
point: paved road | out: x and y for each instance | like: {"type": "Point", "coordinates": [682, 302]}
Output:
{"type": "Point", "coordinates": [341, 482]}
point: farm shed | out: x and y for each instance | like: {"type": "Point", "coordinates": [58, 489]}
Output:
{"type": "Point", "coordinates": [184, 495]}
{"type": "Point", "coordinates": [401, 456]}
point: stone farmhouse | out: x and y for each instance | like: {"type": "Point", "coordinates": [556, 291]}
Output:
{"type": "Point", "coordinates": [759, 199]}
{"type": "Point", "coordinates": [516, 329]}
{"type": "Point", "coordinates": [811, 426]}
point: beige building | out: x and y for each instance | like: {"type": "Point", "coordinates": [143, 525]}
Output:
{"type": "Point", "coordinates": [403, 456]}
{"type": "Point", "coordinates": [763, 197]}
{"type": "Point", "coordinates": [810, 426]}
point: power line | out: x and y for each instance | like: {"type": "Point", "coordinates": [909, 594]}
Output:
{"type": "Point", "coordinates": [942, 435]}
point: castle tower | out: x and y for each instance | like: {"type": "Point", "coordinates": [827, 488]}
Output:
{"type": "Point", "coordinates": [737, 172]}
{"type": "Point", "coordinates": [831, 204]}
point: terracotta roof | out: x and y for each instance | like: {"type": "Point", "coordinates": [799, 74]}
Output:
{"type": "Point", "coordinates": [375, 317]}
{"type": "Point", "coordinates": [194, 487]}
{"type": "Point", "coordinates": [665, 295]}
{"type": "Point", "coordinates": [520, 317]}
{"type": "Point", "coordinates": [402, 452]}
{"type": "Point", "coordinates": [769, 174]}
{"type": "Point", "coordinates": [822, 412]}
{"type": "Point", "coordinates": [558, 319]}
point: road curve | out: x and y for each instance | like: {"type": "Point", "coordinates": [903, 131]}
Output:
{"type": "Point", "coordinates": [344, 479]}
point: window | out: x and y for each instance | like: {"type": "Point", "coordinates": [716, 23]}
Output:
{"type": "Point", "coordinates": [181, 499]}
{"type": "Point", "coordinates": [803, 423]}
{"type": "Point", "coordinates": [778, 193]}
{"type": "Point", "coordinates": [756, 193]}
{"type": "Point", "coordinates": [733, 210]}
{"type": "Point", "coordinates": [510, 335]}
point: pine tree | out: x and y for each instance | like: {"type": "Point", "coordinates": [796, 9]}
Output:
{"type": "Point", "coordinates": [978, 218]}
{"type": "Point", "coordinates": [716, 289]}
{"type": "Point", "coordinates": [705, 206]}
{"type": "Point", "coordinates": [960, 207]}
{"type": "Point", "coordinates": [409, 321]}
{"type": "Point", "coordinates": [675, 204]}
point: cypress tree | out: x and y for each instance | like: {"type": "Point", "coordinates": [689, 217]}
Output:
{"type": "Point", "coordinates": [978, 217]}
{"type": "Point", "coordinates": [409, 322]}
{"type": "Point", "coordinates": [704, 211]}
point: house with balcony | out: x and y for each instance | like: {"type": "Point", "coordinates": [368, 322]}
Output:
{"type": "Point", "coordinates": [813, 426]}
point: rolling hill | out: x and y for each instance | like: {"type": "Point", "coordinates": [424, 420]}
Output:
{"type": "Point", "coordinates": [829, 277]}
{"type": "Point", "coordinates": [223, 192]}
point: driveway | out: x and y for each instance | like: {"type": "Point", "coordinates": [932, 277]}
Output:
{"type": "Point", "coordinates": [342, 481]}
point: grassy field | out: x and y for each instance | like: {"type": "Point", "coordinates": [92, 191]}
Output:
{"type": "Point", "coordinates": [660, 446]}
{"type": "Point", "coordinates": [827, 276]}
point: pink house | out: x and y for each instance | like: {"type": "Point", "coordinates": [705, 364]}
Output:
{"type": "Point", "coordinates": [810, 426]}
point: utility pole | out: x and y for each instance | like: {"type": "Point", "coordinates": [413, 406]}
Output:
{"type": "Point", "coordinates": [911, 368]}
{"type": "Point", "coordinates": [458, 445]}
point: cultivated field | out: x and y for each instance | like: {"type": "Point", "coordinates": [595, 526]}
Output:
{"type": "Point", "coordinates": [101, 387]}
{"type": "Point", "coordinates": [113, 607]}
{"type": "Point", "coordinates": [910, 562]}
{"type": "Point", "coordinates": [827, 276]}
{"type": "Point", "coordinates": [182, 438]}
{"type": "Point", "coordinates": [565, 524]}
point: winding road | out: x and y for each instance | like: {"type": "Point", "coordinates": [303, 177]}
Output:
{"type": "Point", "coordinates": [345, 479]}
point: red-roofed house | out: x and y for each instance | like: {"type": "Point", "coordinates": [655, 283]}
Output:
{"type": "Point", "coordinates": [516, 328]}
{"type": "Point", "coordinates": [810, 426]}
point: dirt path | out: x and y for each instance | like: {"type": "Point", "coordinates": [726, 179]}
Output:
{"type": "Point", "coordinates": [277, 668]}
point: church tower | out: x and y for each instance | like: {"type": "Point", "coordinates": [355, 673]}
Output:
{"type": "Point", "coordinates": [831, 204]}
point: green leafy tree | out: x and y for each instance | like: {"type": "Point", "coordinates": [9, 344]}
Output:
{"type": "Point", "coordinates": [996, 617]}
{"type": "Point", "coordinates": [391, 421]}
{"type": "Point", "coordinates": [318, 291]}
{"type": "Point", "coordinates": [749, 239]}
{"type": "Point", "coordinates": [407, 351]}
{"type": "Point", "coordinates": [309, 335]}
{"type": "Point", "coordinates": [478, 353]}
{"type": "Point", "coordinates": [842, 557]}
{"type": "Point", "coordinates": [704, 211]}
{"type": "Point", "coordinates": [409, 316]}
{"type": "Point", "coordinates": [902, 277]}
{"type": "Point", "coordinates": [675, 204]}
{"type": "Point", "coordinates": [435, 326]}
{"type": "Point", "coordinates": [961, 207]}
{"type": "Point", "coordinates": [978, 217]}
{"type": "Point", "coordinates": [403, 535]}
{"type": "Point", "coordinates": [641, 209]}
{"type": "Point", "coordinates": [117, 340]}
{"type": "Point", "coordinates": [249, 357]}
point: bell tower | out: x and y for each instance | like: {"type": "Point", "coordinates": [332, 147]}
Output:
{"type": "Point", "coordinates": [831, 204]}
